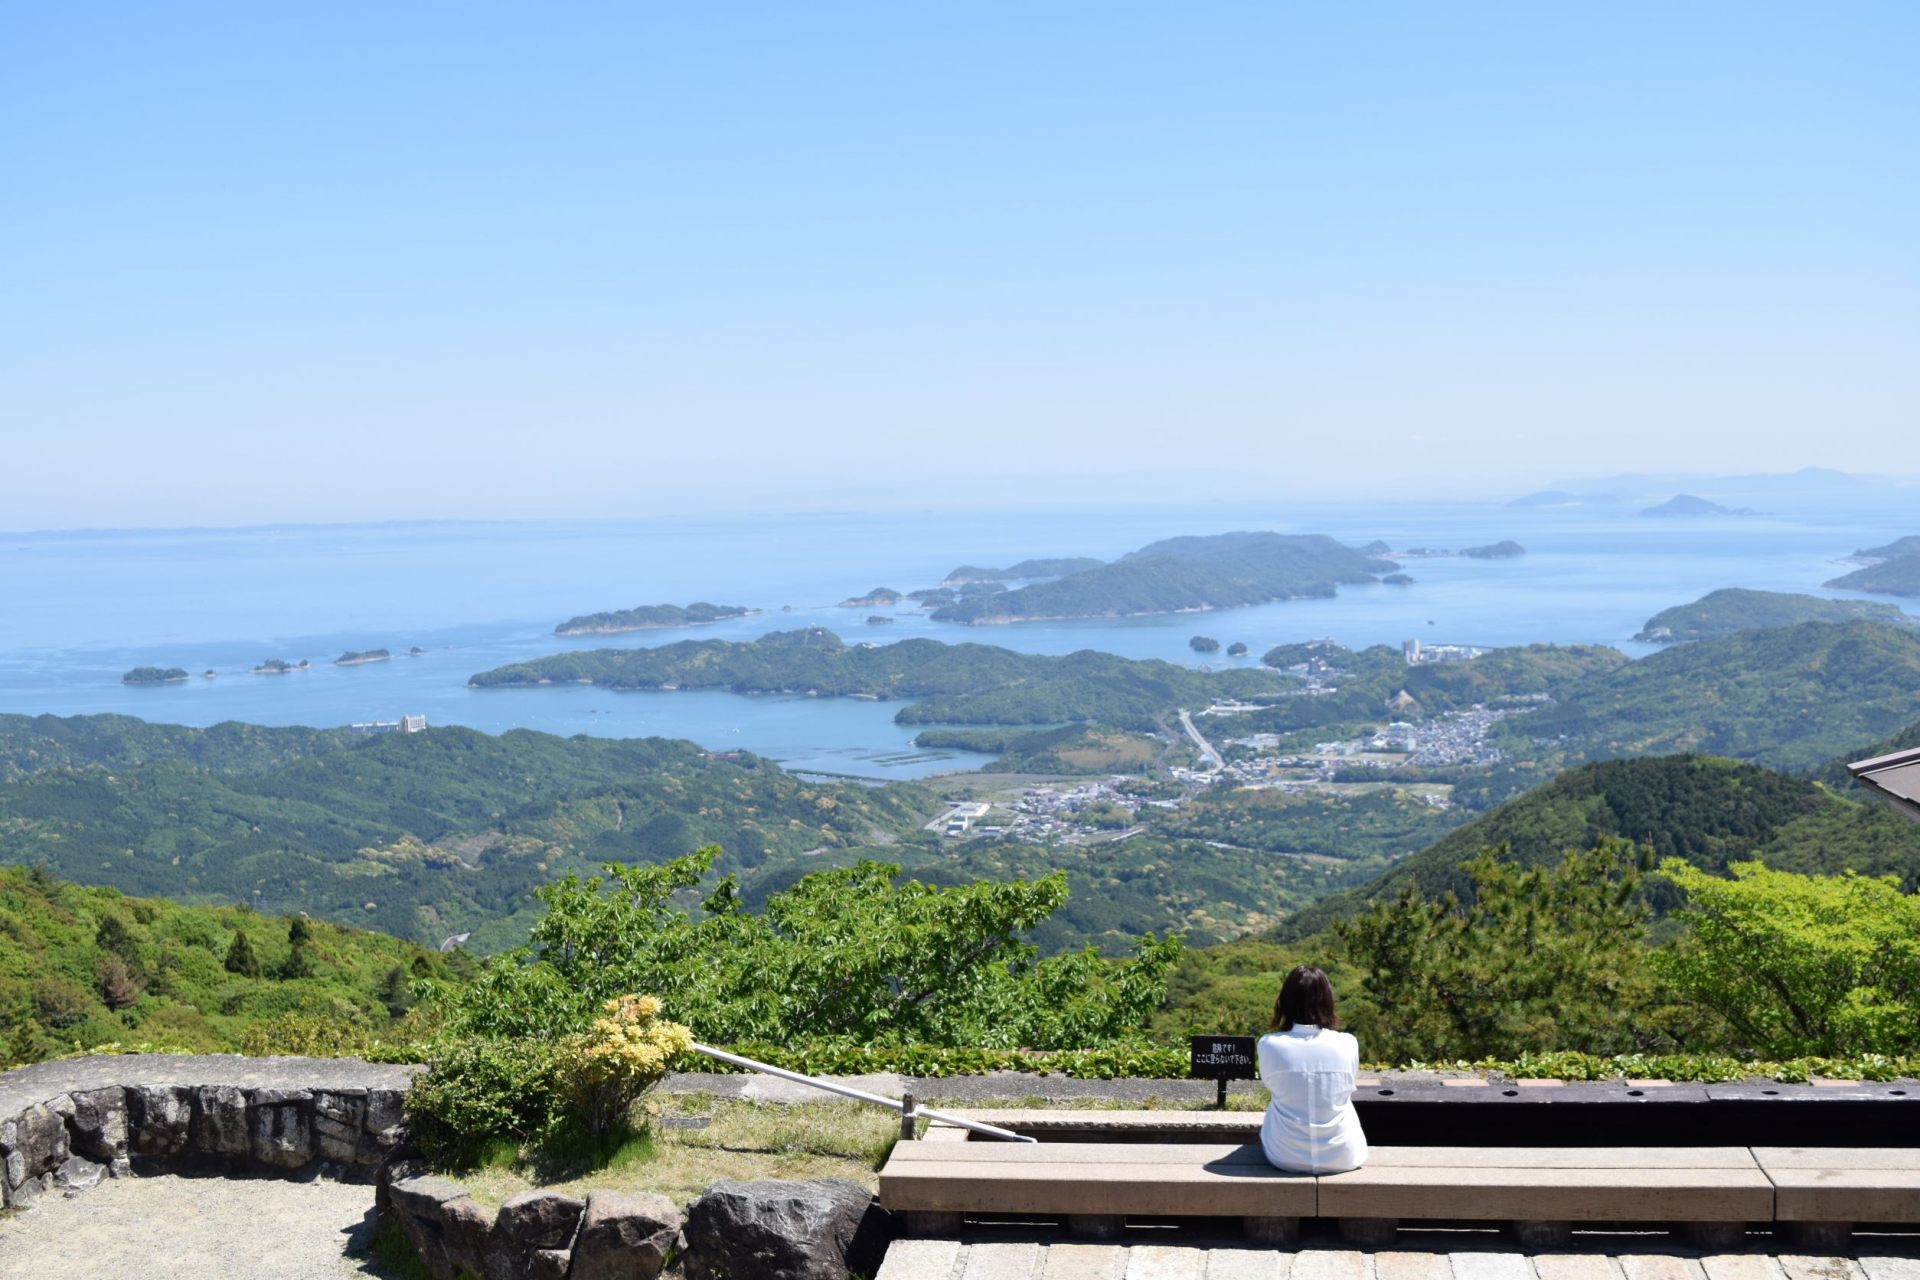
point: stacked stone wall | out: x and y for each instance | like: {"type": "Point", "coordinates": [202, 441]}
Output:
{"type": "Point", "coordinates": [66, 1125]}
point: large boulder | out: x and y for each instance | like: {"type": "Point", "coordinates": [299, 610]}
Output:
{"type": "Point", "coordinates": [530, 1222]}
{"type": "Point", "coordinates": [219, 1126]}
{"type": "Point", "coordinates": [624, 1236]}
{"type": "Point", "coordinates": [338, 1119]}
{"type": "Point", "coordinates": [823, 1230]}
{"type": "Point", "coordinates": [157, 1119]}
{"type": "Point", "coordinates": [98, 1127]}
{"type": "Point", "coordinates": [281, 1122]}
{"type": "Point", "coordinates": [32, 1144]}
{"type": "Point", "coordinates": [422, 1206]}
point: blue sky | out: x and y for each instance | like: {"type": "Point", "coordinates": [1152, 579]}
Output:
{"type": "Point", "coordinates": [468, 259]}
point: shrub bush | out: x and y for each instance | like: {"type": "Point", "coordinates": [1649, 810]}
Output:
{"type": "Point", "coordinates": [479, 1091]}
{"type": "Point", "coordinates": [604, 1070]}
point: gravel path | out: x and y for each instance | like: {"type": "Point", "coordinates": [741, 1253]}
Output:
{"type": "Point", "coordinates": [175, 1228]}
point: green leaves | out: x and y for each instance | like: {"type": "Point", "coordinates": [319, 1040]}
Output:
{"type": "Point", "coordinates": [851, 954]}
{"type": "Point", "coordinates": [1799, 965]}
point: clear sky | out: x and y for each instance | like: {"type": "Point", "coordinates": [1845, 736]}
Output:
{"type": "Point", "coordinates": [343, 260]}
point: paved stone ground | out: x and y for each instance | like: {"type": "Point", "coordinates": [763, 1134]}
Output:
{"type": "Point", "coordinates": [1607, 1259]}
{"type": "Point", "coordinates": [176, 1228]}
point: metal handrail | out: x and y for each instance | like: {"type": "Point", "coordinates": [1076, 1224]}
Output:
{"type": "Point", "coordinates": [861, 1095]}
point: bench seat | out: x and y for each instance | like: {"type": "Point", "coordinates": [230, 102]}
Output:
{"type": "Point", "coordinates": [1843, 1184]}
{"type": "Point", "coordinates": [1093, 1179]}
{"type": "Point", "coordinates": [1562, 1184]}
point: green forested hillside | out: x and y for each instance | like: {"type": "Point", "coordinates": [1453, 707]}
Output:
{"type": "Point", "coordinates": [1792, 698]}
{"type": "Point", "coordinates": [1723, 612]}
{"type": "Point", "coordinates": [420, 835]}
{"type": "Point", "coordinates": [1706, 810]}
{"type": "Point", "coordinates": [1179, 574]}
{"type": "Point", "coordinates": [81, 967]}
{"type": "Point", "coordinates": [1899, 576]}
{"type": "Point", "coordinates": [956, 683]}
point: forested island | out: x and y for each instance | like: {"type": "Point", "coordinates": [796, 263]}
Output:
{"type": "Point", "coordinates": [953, 683]}
{"type": "Point", "coordinates": [1504, 550]}
{"type": "Point", "coordinates": [1687, 504]}
{"type": "Point", "coordinates": [649, 617]}
{"type": "Point", "coordinates": [1180, 575]}
{"type": "Point", "coordinates": [1731, 609]}
{"type": "Point", "coordinates": [358, 657]}
{"type": "Point", "coordinates": [154, 675]}
{"type": "Point", "coordinates": [878, 598]}
{"type": "Point", "coordinates": [1907, 546]}
{"type": "Point", "coordinates": [280, 667]}
{"type": "Point", "coordinates": [1899, 576]}
{"type": "Point", "coordinates": [1057, 567]}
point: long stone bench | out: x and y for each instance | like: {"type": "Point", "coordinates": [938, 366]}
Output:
{"type": "Point", "coordinates": [1712, 1194]}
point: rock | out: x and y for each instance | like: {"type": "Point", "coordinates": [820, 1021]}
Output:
{"type": "Point", "coordinates": [78, 1174]}
{"type": "Point", "coordinates": [35, 1143]}
{"type": "Point", "coordinates": [220, 1121]}
{"type": "Point", "coordinates": [419, 1203]}
{"type": "Point", "coordinates": [527, 1223]}
{"type": "Point", "coordinates": [282, 1127]}
{"type": "Point", "coordinates": [822, 1230]}
{"type": "Point", "coordinates": [624, 1236]}
{"type": "Point", "coordinates": [99, 1125]}
{"type": "Point", "coordinates": [157, 1119]}
{"type": "Point", "coordinates": [465, 1228]}
{"type": "Point", "coordinates": [385, 1109]}
{"type": "Point", "coordinates": [549, 1264]}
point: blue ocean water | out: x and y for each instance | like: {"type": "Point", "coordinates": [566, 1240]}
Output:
{"type": "Point", "coordinates": [79, 609]}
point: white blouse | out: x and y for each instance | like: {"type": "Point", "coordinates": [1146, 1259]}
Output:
{"type": "Point", "coordinates": [1311, 1126]}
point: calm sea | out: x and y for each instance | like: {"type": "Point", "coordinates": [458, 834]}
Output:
{"type": "Point", "coordinates": [78, 609]}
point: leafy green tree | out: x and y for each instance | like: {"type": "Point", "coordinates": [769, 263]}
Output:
{"type": "Point", "coordinates": [395, 991]}
{"type": "Point", "coordinates": [849, 953]}
{"type": "Point", "coordinates": [112, 935]}
{"type": "Point", "coordinates": [1799, 965]}
{"type": "Point", "coordinates": [241, 958]}
{"type": "Point", "coordinates": [1541, 958]}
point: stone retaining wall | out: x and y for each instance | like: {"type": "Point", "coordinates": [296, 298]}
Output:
{"type": "Point", "coordinates": [822, 1230]}
{"type": "Point", "coordinates": [65, 1125]}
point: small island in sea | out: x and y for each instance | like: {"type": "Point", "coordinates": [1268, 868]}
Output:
{"type": "Point", "coordinates": [1548, 498]}
{"type": "Point", "coordinates": [280, 667]}
{"type": "Point", "coordinates": [155, 675]}
{"type": "Point", "coordinates": [356, 657]}
{"type": "Point", "coordinates": [878, 598]}
{"type": "Point", "coordinates": [1204, 644]}
{"type": "Point", "coordinates": [1495, 551]}
{"type": "Point", "coordinates": [1730, 609]}
{"type": "Point", "coordinates": [1907, 546]}
{"type": "Point", "coordinates": [1398, 579]}
{"type": "Point", "coordinates": [1026, 570]}
{"type": "Point", "coordinates": [650, 617]}
{"type": "Point", "coordinates": [1181, 575]}
{"type": "Point", "coordinates": [1237, 649]}
{"type": "Point", "coordinates": [1687, 504]}
{"type": "Point", "coordinates": [879, 620]}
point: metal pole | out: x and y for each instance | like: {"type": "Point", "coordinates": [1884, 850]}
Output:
{"type": "Point", "coordinates": [860, 1095]}
{"type": "Point", "coordinates": [909, 1118]}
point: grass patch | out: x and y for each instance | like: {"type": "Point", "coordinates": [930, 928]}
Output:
{"type": "Point", "coordinates": [393, 1253]}
{"type": "Point", "coordinates": [740, 1140]}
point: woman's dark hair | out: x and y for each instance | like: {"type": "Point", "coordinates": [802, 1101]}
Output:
{"type": "Point", "coordinates": [1306, 999]}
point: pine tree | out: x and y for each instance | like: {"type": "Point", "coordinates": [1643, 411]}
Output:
{"type": "Point", "coordinates": [240, 956]}
{"type": "Point", "coordinates": [299, 949]}
{"type": "Point", "coordinates": [395, 991]}
{"type": "Point", "coordinates": [117, 986]}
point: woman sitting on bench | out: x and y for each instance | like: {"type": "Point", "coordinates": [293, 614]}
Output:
{"type": "Point", "coordinates": [1309, 1067]}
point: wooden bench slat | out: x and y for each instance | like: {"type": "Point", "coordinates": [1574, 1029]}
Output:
{"type": "Point", "coordinates": [1015, 1154]}
{"type": "Point", "coordinates": [1549, 1194]}
{"type": "Point", "coordinates": [1562, 1158]}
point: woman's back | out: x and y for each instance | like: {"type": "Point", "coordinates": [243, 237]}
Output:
{"type": "Point", "coordinates": [1311, 1126]}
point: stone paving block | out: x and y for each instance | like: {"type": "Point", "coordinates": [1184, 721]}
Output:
{"type": "Point", "coordinates": [920, 1260]}
{"type": "Point", "coordinates": [1659, 1266]}
{"type": "Point", "coordinates": [1084, 1262]}
{"type": "Point", "coordinates": [1330, 1264]}
{"type": "Point", "coordinates": [1165, 1262]}
{"type": "Point", "coordinates": [1491, 1266]}
{"type": "Point", "coordinates": [1394, 1264]}
{"type": "Point", "coordinates": [1888, 1268]}
{"type": "Point", "coordinates": [1001, 1261]}
{"type": "Point", "coordinates": [1253, 1264]}
{"type": "Point", "coordinates": [1574, 1266]}
{"type": "Point", "coordinates": [1742, 1266]}
{"type": "Point", "coordinates": [1802, 1266]}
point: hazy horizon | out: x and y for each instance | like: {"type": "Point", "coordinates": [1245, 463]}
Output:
{"type": "Point", "coordinates": [479, 262]}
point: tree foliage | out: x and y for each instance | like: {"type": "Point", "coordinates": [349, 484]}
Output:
{"type": "Point", "coordinates": [851, 953]}
{"type": "Point", "coordinates": [1800, 965]}
{"type": "Point", "coordinates": [1540, 958]}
